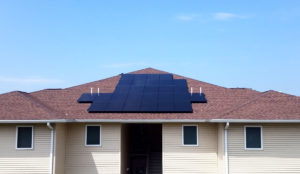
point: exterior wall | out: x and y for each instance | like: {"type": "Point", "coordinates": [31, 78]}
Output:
{"type": "Point", "coordinates": [34, 160]}
{"type": "Point", "coordinates": [104, 159]}
{"type": "Point", "coordinates": [280, 154]}
{"type": "Point", "coordinates": [190, 159]}
{"type": "Point", "coordinates": [221, 149]}
{"type": "Point", "coordinates": [59, 148]}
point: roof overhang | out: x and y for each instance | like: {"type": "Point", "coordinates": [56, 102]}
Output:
{"type": "Point", "coordinates": [151, 121]}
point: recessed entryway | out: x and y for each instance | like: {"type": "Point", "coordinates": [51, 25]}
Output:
{"type": "Point", "coordinates": [141, 149]}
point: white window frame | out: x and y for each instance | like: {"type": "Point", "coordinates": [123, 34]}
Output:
{"type": "Point", "coordinates": [261, 137]}
{"type": "Point", "coordinates": [197, 135]}
{"type": "Point", "coordinates": [32, 138]}
{"type": "Point", "coordinates": [100, 129]}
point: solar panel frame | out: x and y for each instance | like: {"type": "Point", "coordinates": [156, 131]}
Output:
{"type": "Point", "coordinates": [151, 109]}
{"type": "Point", "coordinates": [182, 106]}
{"type": "Point", "coordinates": [114, 106]}
{"type": "Point", "coordinates": [154, 93]}
{"type": "Point", "coordinates": [86, 98]}
{"type": "Point", "coordinates": [96, 107]}
{"type": "Point", "coordinates": [136, 89]}
{"type": "Point", "coordinates": [166, 77]}
{"type": "Point", "coordinates": [180, 82]}
{"type": "Point", "coordinates": [151, 89]}
{"type": "Point", "coordinates": [132, 102]}
{"type": "Point", "coordinates": [198, 98]}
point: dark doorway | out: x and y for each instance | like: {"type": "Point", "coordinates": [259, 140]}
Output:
{"type": "Point", "coordinates": [142, 149]}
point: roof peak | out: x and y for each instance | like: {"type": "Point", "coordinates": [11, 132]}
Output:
{"type": "Point", "coordinates": [273, 92]}
{"type": "Point", "coordinates": [149, 70]}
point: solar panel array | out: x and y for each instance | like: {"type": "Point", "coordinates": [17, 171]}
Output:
{"type": "Point", "coordinates": [156, 93]}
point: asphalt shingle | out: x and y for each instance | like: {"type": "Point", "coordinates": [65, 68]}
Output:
{"type": "Point", "coordinates": [223, 103]}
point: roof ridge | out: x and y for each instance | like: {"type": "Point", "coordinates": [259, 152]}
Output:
{"type": "Point", "coordinates": [245, 104]}
{"type": "Point", "coordinates": [149, 68]}
{"type": "Point", "coordinates": [91, 82]}
{"type": "Point", "coordinates": [11, 92]}
{"type": "Point", "coordinates": [39, 103]}
{"type": "Point", "coordinates": [281, 93]}
{"type": "Point", "coordinates": [137, 71]}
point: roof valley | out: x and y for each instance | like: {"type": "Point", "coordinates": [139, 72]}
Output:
{"type": "Point", "coordinates": [244, 104]}
{"type": "Point", "coordinates": [40, 104]}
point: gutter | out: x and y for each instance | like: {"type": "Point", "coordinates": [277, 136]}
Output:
{"type": "Point", "coordinates": [252, 121]}
{"type": "Point", "coordinates": [226, 148]}
{"type": "Point", "coordinates": [151, 121]}
{"type": "Point", "coordinates": [51, 146]}
{"type": "Point", "coordinates": [36, 121]}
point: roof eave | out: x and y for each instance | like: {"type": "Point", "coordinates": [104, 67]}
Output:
{"type": "Point", "coordinates": [151, 121]}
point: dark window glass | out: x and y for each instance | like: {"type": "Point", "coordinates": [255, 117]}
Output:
{"type": "Point", "coordinates": [253, 137]}
{"type": "Point", "coordinates": [24, 139]}
{"type": "Point", "coordinates": [190, 135]}
{"type": "Point", "coordinates": [93, 135]}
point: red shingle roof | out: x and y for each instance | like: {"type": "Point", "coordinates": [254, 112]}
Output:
{"type": "Point", "coordinates": [20, 105]}
{"type": "Point", "coordinates": [223, 103]}
{"type": "Point", "coordinates": [270, 104]}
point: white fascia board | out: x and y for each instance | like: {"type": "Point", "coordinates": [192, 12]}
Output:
{"type": "Point", "coordinates": [186, 121]}
{"type": "Point", "coordinates": [142, 120]}
{"type": "Point", "coordinates": [36, 121]}
{"type": "Point", "coordinates": [151, 121]}
{"type": "Point", "coordinates": [252, 121]}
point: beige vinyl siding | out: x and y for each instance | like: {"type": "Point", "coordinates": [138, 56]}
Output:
{"type": "Point", "coordinates": [104, 159]}
{"type": "Point", "coordinates": [59, 148]}
{"type": "Point", "coordinates": [221, 149]}
{"type": "Point", "coordinates": [190, 159]}
{"type": "Point", "coordinates": [36, 160]}
{"type": "Point", "coordinates": [280, 154]}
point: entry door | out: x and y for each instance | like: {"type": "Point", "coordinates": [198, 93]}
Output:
{"type": "Point", "coordinates": [139, 165]}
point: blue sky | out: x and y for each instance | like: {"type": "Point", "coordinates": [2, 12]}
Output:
{"type": "Point", "coordinates": [57, 44]}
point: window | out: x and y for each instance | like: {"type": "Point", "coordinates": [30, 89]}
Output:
{"type": "Point", "coordinates": [253, 138]}
{"type": "Point", "coordinates": [190, 135]}
{"type": "Point", "coordinates": [92, 137]}
{"type": "Point", "coordinates": [24, 137]}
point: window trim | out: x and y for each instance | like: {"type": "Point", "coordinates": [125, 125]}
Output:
{"type": "Point", "coordinates": [261, 138]}
{"type": "Point", "coordinates": [100, 134]}
{"type": "Point", "coordinates": [197, 135]}
{"type": "Point", "coordinates": [32, 138]}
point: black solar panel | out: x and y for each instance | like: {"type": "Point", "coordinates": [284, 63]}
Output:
{"type": "Point", "coordinates": [198, 98]}
{"type": "Point", "coordinates": [86, 98]}
{"type": "Point", "coordinates": [155, 93]}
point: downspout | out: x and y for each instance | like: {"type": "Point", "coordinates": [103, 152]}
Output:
{"type": "Point", "coordinates": [226, 148]}
{"type": "Point", "coordinates": [51, 146]}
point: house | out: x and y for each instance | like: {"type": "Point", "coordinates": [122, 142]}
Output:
{"type": "Point", "coordinates": [217, 130]}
